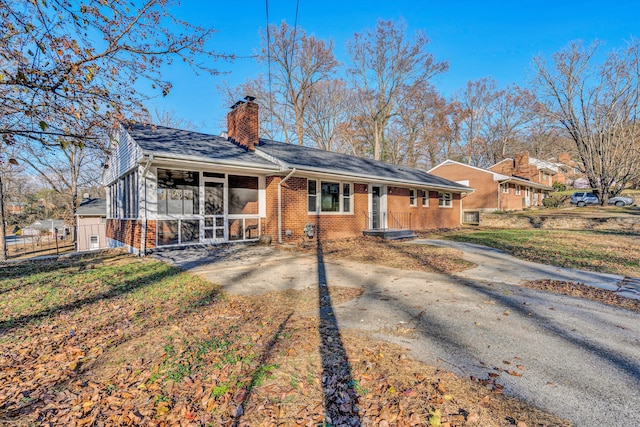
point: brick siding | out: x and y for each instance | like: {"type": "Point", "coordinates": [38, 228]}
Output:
{"type": "Point", "coordinates": [129, 232]}
{"type": "Point", "coordinates": [295, 213]}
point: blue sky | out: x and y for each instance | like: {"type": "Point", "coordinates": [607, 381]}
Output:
{"type": "Point", "coordinates": [478, 38]}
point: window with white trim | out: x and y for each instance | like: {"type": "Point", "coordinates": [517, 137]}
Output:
{"type": "Point", "coordinates": [346, 197]}
{"type": "Point", "coordinates": [517, 190]}
{"type": "Point", "coordinates": [412, 197]}
{"type": "Point", "coordinates": [425, 198]}
{"type": "Point", "coordinates": [332, 197]}
{"type": "Point", "coordinates": [505, 188]}
{"type": "Point", "coordinates": [94, 242]}
{"type": "Point", "coordinates": [445, 200]}
{"type": "Point", "coordinates": [312, 195]}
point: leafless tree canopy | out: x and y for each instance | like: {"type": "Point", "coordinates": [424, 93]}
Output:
{"type": "Point", "coordinates": [385, 64]}
{"type": "Point", "coordinates": [597, 105]}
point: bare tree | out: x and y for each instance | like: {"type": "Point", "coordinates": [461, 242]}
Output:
{"type": "Point", "coordinates": [422, 127]}
{"type": "Point", "coordinates": [598, 106]}
{"type": "Point", "coordinates": [274, 116]}
{"type": "Point", "coordinates": [66, 67]}
{"type": "Point", "coordinates": [66, 169]}
{"type": "Point", "coordinates": [330, 107]}
{"type": "Point", "coordinates": [476, 101]}
{"type": "Point", "coordinates": [513, 109]}
{"type": "Point", "coordinates": [170, 119]}
{"type": "Point", "coordinates": [384, 61]}
{"type": "Point", "coordinates": [298, 62]}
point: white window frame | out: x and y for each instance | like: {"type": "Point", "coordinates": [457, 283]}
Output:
{"type": "Point", "coordinates": [97, 242]}
{"type": "Point", "coordinates": [518, 190]}
{"type": "Point", "coordinates": [413, 200]}
{"type": "Point", "coordinates": [445, 199]}
{"type": "Point", "coordinates": [504, 188]}
{"type": "Point", "coordinates": [318, 197]}
{"type": "Point", "coordinates": [425, 198]}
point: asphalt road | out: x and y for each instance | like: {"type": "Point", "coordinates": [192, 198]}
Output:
{"type": "Point", "coordinates": [579, 359]}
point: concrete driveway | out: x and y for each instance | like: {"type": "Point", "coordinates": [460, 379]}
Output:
{"type": "Point", "coordinates": [578, 359]}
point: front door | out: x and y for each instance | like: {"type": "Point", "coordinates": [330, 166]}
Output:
{"type": "Point", "coordinates": [214, 227]}
{"type": "Point", "coordinates": [375, 207]}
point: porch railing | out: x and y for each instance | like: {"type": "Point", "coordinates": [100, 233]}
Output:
{"type": "Point", "coordinates": [391, 220]}
{"type": "Point", "coordinates": [376, 220]}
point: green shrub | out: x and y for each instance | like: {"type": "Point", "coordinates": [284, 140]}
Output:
{"type": "Point", "coordinates": [551, 202]}
{"type": "Point", "coordinates": [558, 186]}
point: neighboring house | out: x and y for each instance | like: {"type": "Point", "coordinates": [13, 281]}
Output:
{"type": "Point", "coordinates": [529, 168]}
{"type": "Point", "coordinates": [47, 227]}
{"type": "Point", "coordinates": [545, 172]}
{"type": "Point", "coordinates": [571, 171]}
{"type": "Point", "coordinates": [168, 187]}
{"type": "Point", "coordinates": [493, 190]}
{"type": "Point", "coordinates": [15, 208]}
{"type": "Point", "coordinates": [91, 225]}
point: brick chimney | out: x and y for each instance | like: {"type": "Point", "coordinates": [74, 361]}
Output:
{"type": "Point", "coordinates": [522, 168]}
{"type": "Point", "coordinates": [242, 123]}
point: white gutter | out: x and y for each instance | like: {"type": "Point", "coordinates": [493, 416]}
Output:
{"type": "Point", "coordinates": [143, 231]}
{"type": "Point", "coordinates": [280, 203]}
{"type": "Point", "coordinates": [206, 160]}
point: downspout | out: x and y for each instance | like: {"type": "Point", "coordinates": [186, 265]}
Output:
{"type": "Point", "coordinates": [280, 203]}
{"type": "Point", "coordinates": [143, 231]}
{"type": "Point", "coordinates": [499, 195]}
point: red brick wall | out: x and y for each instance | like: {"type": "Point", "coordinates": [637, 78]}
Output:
{"type": "Point", "coordinates": [129, 232]}
{"type": "Point", "coordinates": [485, 195]}
{"type": "Point", "coordinates": [420, 217]}
{"type": "Point", "coordinates": [511, 201]}
{"type": "Point", "coordinates": [331, 226]}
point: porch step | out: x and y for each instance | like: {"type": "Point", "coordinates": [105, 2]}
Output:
{"type": "Point", "coordinates": [391, 234]}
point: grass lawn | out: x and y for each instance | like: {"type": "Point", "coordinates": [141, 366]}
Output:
{"type": "Point", "coordinates": [112, 339]}
{"type": "Point", "coordinates": [601, 251]}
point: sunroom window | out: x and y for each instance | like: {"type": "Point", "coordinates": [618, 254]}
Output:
{"type": "Point", "coordinates": [178, 192]}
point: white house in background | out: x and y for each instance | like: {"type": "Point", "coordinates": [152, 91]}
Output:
{"type": "Point", "coordinates": [48, 227]}
{"type": "Point", "coordinates": [92, 222]}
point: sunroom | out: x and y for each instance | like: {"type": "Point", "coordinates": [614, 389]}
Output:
{"type": "Point", "coordinates": [198, 206]}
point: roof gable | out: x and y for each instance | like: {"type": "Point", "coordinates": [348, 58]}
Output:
{"type": "Point", "coordinates": [160, 140]}
{"type": "Point", "coordinates": [496, 176]}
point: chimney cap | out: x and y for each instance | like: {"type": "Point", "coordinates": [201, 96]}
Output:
{"type": "Point", "coordinates": [237, 104]}
{"type": "Point", "coordinates": [250, 98]}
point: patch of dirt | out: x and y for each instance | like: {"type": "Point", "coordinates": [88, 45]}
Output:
{"type": "Point", "coordinates": [374, 250]}
{"type": "Point", "coordinates": [580, 290]}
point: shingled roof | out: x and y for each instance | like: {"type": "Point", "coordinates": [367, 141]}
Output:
{"type": "Point", "coordinates": [315, 160]}
{"type": "Point", "coordinates": [92, 207]}
{"type": "Point", "coordinates": [160, 140]}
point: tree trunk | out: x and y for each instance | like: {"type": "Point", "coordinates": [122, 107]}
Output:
{"type": "Point", "coordinates": [3, 234]}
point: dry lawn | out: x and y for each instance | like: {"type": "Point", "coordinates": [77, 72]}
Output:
{"type": "Point", "coordinates": [373, 250]}
{"type": "Point", "coordinates": [111, 339]}
{"type": "Point", "coordinates": [600, 251]}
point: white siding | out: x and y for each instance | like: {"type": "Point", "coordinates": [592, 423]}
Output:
{"type": "Point", "coordinates": [125, 154]}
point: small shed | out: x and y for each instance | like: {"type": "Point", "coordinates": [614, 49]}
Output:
{"type": "Point", "coordinates": [91, 232]}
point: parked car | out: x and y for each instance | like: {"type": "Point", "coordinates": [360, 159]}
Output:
{"type": "Point", "coordinates": [585, 198]}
